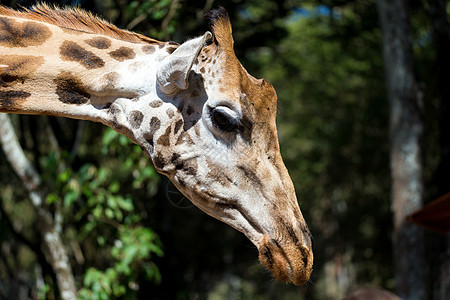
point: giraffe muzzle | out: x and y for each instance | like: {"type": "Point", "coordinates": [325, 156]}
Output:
{"type": "Point", "coordinates": [288, 262]}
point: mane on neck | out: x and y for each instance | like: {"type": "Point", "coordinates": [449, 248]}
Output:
{"type": "Point", "coordinates": [76, 19]}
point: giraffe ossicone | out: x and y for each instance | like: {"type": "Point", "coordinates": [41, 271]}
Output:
{"type": "Point", "coordinates": [199, 116]}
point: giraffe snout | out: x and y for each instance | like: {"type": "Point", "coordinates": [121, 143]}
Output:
{"type": "Point", "coordinates": [289, 259]}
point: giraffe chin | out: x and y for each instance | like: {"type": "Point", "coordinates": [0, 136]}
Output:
{"type": "Point", "coordinates": [287, 263]}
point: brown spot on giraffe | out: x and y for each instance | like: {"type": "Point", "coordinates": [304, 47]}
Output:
{"type": "Point", "coordinates": [184, 138]}
{"type": "Point", "coordinates": [99, 42]}
{"type": "Point", "coordinates": [71, 51]}
{"type": "Point", "coordinates": [156, 103]}
{"type": "Point", "coordinates": [17, 68]}
{"type": "Point", "coordinates": [123, 53]}
{"type": "Point", "coordinates": [24, 34]}
{"type": "Point", "coordinates": [70, 89]}
{"type": "Point", "coordinates": [170, 112]}
{"type": "Point", "coordinates": [175, 157]}
{"type": "Point", "coordinates": [11, 100]}
{"type": "Point", "coordinates": [164, 139]}
{"type": "Point", "coordinates": [190, 166]}
{"type": "Point", "coordinates": [136, 118]}
{"type": "Point", "coordinates": [148, 49]}
{"type": "Point", "coordinates": [155, 124]}
{"type": "Point", "coordinates": [171, 49]}
{"type": "Point", "coordinates": [178, 125]}
{"type": "Point", "coordinates": [158, 162]}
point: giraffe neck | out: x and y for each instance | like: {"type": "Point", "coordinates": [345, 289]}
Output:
{"type": "Point", "coordinates": [46, 69]}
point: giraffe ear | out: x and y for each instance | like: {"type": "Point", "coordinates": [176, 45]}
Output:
{"type": "Point", "coordinates": [173, 72]}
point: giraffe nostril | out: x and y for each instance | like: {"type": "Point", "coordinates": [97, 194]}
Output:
{"type": "Point", "coordinates": [308, 240]}
{"type": "Point", "coordinates": [306, 235]}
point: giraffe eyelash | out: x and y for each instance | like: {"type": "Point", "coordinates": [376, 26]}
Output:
{"type": "Point", "coordinates": [223, 120]}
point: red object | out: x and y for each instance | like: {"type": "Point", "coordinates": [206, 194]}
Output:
{"type": "Point", "coordinates": [435, 215]}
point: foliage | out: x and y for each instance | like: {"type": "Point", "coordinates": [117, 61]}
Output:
{"type": "Point", "coordinates": [158, 12]}
{"type": "Point", "coordinates": [131, 251]}
{"type": "Point", "coordinates": [108, 216]}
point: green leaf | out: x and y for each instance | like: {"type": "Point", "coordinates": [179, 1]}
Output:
{"type": "Point", "coordinates": [88, 227]}
{"type": "Point", "coordinates": [156, 249]}
{"type": "Point", "coordinates": [109, 135]}
{"type": "Point", "coordinates": [114, 187]}
{"type": "Point", "coordinates": [51, 198]}
{"type": "Point", "coordinates": [97, 211]}
{"type": "Point", "coordinates": [123, 140]}
{"type": "Point", "coordinates": [112, 202]}
{"type": "Point", "coordinates": [101, 240]}
{"type": "Point", "coordinates": [64, 176]}
{"type": "Point", "coordinates": [102, 175]}
{"type": "Point", "coordinates": [125, 204]}
{"type": "Point", "coordinates": [109, 213]}
{"type": "Point", "coordinates": [70, 197]}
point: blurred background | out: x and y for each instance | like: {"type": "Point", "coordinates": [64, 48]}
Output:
{"type": "Point", "coordinates": [129, 234]}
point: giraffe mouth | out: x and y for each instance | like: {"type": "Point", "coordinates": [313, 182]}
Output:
{"type": "Point", "coordinates": [289, 261]}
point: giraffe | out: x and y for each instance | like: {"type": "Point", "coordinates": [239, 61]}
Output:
{"type": "Point", "coordinates": [196, 113]}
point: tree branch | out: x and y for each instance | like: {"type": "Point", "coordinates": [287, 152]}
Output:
{"type": "Point", "coordinates": [170, 15]}
{"type": "Point", "coordinates": [52, 242]}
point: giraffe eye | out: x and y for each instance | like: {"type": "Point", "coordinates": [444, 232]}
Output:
{"type": "Point", "coordinates": [208, 42]}
{"type": "Point", "coordinates": [224, 121]}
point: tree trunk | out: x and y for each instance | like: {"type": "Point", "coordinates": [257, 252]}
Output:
{"type": "Point", "coordinates": [406, 129]}
{"type": "Point", "coordinates": [52, 242]}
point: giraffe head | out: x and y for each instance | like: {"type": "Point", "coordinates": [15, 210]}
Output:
{"type": "Point", "coordinates": [195, 111]}
{"type": "Point", "coordinates": [221, 149]}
